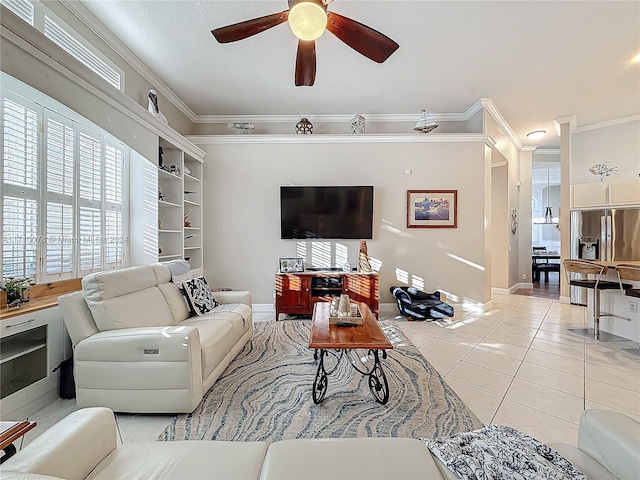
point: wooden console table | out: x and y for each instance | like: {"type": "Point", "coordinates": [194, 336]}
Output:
{"type": "Point", "coordinates": [297, 293]}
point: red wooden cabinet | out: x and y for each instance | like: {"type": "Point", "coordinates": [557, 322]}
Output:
{"type": "Point", "coordinates": [297, 293]}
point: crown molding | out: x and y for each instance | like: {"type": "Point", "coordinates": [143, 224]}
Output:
{"type": "Point", "coordinates": [547, 151]}
{"type": "Point", "coordinates": [340, 118]}
{"type": "Point", "coordinates": [86, 17]}
{"type": "Point", "coordinates": [572, 120]}
{"type": "Point", "coordinates": [365, 138]}
{"type": "Point", "coordinates": [528, 148]}
{"type": "Point", "coordinates": [491, 108]}
{"type": "Point", "coordinates": [607, 123]}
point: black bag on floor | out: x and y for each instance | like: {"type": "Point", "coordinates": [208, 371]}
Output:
{"type": "Point", "coordinates": [67, 383]}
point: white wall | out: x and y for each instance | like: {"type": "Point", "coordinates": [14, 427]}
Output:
{"type": "Point", "coordinates": [509, 244]}
{"type": "Point", "coordinates": [500, 230]}
{"type": "Point", "coordinates": [242, 220]}
{"type": "Point", "coordinates": [619, 144]}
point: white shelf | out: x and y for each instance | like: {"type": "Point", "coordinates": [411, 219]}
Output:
{"type": "Point", "coordinates": [165, 174]}
{"type": "Point", "coordinates": [191, 178]}
{"type": "Point", "coordinates": [192, 228]}
{"type": "Point", "coordinates": [163, 203]}
{"type": "Point", "coordinates": [192, 248]}
{"type": "Point", "coordinates": [167, 257]}
{"type": "Point", "coordinates": [169, 231]}
{"type": "Point", "coordinates": [18, 348]}
{"type": "Point", "coordinates": [188, 202]}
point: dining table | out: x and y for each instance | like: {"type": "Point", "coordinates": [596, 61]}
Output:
{"type": "Point", "coordinates": [545, 267]}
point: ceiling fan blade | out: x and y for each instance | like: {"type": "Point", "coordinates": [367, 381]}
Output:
{"type": "Point", "coordinates": [306, 63]}
{"type": "Point", "coordinates": [365, 40]}
{"type": "Point", "coordinates": [242, 30]}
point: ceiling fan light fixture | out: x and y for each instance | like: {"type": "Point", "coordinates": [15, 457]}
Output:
{"type": "Point", "coordinates": [307, 20]}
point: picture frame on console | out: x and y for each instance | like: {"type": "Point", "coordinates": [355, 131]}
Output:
{"type": "Point", "coordinates": [291, 265]}
{"type": "Point", "coordinates": [432, 209]}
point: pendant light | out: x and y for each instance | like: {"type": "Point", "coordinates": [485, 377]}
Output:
{"type": "Point", "coordinates": [548, 215]}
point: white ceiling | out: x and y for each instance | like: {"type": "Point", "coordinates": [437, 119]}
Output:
{"type": "Point", "coordinates": [537, 60]}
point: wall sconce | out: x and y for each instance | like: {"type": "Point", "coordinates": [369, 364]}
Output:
{"type": "Point", "coordinates": [514, 220]}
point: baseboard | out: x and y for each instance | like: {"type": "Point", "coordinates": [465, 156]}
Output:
{"type": "Point", "coordinates": [388, 308]}
{"type": "Point", "coordinates": [510, 290]}
{"type": "Point", "coordinates": [263, 307]}
{"type": "Point", "coordinates": [566, 300]}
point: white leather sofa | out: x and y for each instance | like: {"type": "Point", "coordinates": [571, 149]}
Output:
{"type": "Point", "coordinates": [135, 347]}
{"type": "Point", "coordinates": [83, 446]}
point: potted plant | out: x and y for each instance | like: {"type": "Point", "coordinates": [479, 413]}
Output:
{"type": "Point", "coordinates": [17, 290]}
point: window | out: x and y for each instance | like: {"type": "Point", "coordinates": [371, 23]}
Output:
{"type": "Point", "coordinates": [62, 193]}
{"type": "Point", "coordinates": [20, 121]}
{"type": "Point", "coordinates": [40, 17]}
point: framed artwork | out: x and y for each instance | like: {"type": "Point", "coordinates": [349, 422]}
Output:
{"type": "Point", "coordinates": [291, 265]}
{"type": "Point", "coordinates": [432, 209]}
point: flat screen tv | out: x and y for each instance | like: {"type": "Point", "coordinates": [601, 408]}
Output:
{"type": "Point", "coordinates": [326, 212]}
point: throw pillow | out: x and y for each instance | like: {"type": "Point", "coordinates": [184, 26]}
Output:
{"type": "Point", "coordinates": [199, 295]}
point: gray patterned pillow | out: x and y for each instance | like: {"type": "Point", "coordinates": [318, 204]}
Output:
{"type": "Point", "coordinates": [199, 295]}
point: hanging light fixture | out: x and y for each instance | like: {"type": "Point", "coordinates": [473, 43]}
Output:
{"type": "Point", "coordinates": [548, 215]}
{"type": "Point", "coordinates": [425, 123]}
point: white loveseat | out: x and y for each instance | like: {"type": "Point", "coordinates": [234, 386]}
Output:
{"type": "Point", "coordinates": [137, 350]}
{"type": "Point", "coordinates": [83, 446]}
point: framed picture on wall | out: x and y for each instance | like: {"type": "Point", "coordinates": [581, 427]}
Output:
{"type": "Point", "coordinates": [291, 265]}
{"type": "Point", "coordinates": [432, 209]}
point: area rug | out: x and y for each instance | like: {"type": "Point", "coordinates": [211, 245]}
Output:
{"type": "Point", "coordinates": [265, 395]}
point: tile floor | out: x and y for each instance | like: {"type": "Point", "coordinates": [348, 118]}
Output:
{"type": "Point", "coordinates": [513, 362]}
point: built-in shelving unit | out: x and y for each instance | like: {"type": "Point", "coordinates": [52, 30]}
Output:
{"type": "Point", "coordinates": [166, 196]}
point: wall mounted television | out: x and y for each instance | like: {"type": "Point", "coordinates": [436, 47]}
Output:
{"type": "Point", "coordinates": [326, 212]}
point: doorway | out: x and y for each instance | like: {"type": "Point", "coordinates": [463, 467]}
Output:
{"type": "Point", "coordinates": [545, 230]}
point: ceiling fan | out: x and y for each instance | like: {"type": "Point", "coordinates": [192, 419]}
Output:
{"type": "Point", "coordinates": [308, 19]}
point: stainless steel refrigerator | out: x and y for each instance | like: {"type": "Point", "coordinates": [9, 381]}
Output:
{"type": "Point", "coordinates": [611, 234]}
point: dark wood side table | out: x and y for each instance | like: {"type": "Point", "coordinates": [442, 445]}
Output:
{"type": "Point", "coordinates": [9, 433]}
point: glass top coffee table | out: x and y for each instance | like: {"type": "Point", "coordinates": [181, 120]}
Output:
{"type": "Point", "coordinates": [341, 341]}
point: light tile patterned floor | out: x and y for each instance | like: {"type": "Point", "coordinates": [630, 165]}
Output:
{"type": "Point", "coordinates": [514, 362]}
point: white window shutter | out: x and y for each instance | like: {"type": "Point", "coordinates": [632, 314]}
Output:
{"type": "Point", "coordinates": [20, 143]}
{"type": "Point", "coordinates": [59, 251]}
{"type": "Point", "coordinates": [19, 217]}
{"type": "Point", "coordinates": [59, 159]}
{"type": "Point", "coordinates": [20, 241]}
{"type": "Point", "coordinates": [90, 162]}
{"type": "Point", "coordinates": [90, 240]}
{"type": "Point", "coordinates": [114, 220]}
{"type": "Point", "coordinates": [22, 8]}
{"type": "Point", "coordinates": [59, 35]}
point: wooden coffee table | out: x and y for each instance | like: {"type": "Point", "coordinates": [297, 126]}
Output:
{"type": "Point", "coordinates": [326, 338]}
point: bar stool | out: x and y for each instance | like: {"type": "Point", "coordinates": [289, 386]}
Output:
{"type": "Point", "coordinates": [587, 268]}
{"type": "Point", "coordinates": [629, 272]}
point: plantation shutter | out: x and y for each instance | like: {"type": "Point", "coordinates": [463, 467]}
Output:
{"type": "Point", "coordinates": [114, 221]}
{"type": "Point", "coordinates": [60, 174]}
{"type": "Point", "coordinates": [63, 38]}
{"type": "Point", "coordinates": [22, 8]}
{"type": "Point", "coordinates": [19, 220]}
{"type": "Point", "coordinates": [90, 201]}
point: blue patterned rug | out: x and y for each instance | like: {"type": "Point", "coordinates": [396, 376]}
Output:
{"type": "Point", "coordinates": [265, 395]}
